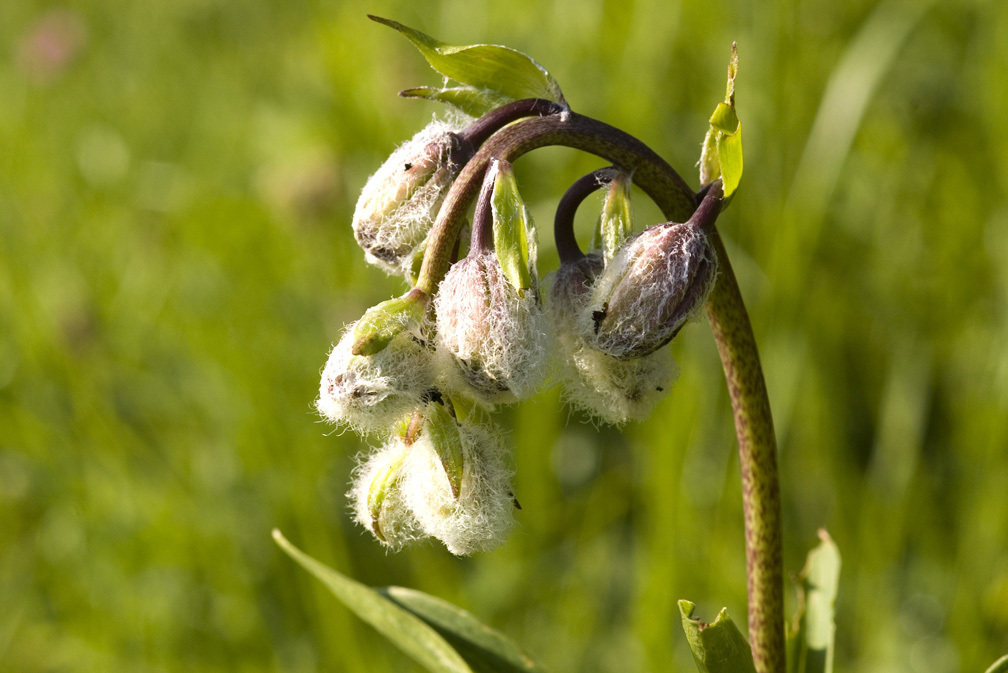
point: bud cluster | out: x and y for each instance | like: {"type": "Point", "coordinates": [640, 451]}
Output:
{"type": "Point", "coordinates": [426, 368]}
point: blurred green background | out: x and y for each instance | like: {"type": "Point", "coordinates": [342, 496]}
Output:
{"type": "Point", "coordinates": [176, 185]}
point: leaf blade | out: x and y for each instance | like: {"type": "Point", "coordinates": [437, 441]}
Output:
{"type": "Point", "coordinates": [408, 632]}
{"type": "Point", "coordinates": [484, 648]}
{"type": "Point", "coordinates": [485, 66]}
{"type": "Point", "coordinates": [718, 647]}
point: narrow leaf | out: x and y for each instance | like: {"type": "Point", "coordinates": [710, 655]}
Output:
{"type": "Point", "coordinates": [485, 66]}
{"type": "Point", "coordinates": [408, 632]}
{"type": "Point", "coordinates": [811, 638]}
{"type": "Point", "coordinates": [485, 649]}
{"type": "Point", "coordinates": [718, 647]}
{"type": "Point", "coordinates": [470, 100]}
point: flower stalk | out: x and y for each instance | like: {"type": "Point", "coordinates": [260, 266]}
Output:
{"type": "Point", "coordinates": [725, 311]}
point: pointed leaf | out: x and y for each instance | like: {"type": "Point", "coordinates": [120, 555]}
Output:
{"type": "Point", "coordinates": [811, 640]}
{"type": "Point", "coordinates": [470, 100]}
{"type": "Point", "coordinates": [408, 632]}
{"type": "Point", "coordinates": [485, 649]}
{"type": "Point", "coordinates": [721, 156]}
{"type": "Point", "coordinates": [718, 647]}
{"type": "Point", "coordinates": [485, 66]}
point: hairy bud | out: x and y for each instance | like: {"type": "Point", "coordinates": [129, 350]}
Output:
{"type": "Point", "coordinates": [608, 388]}
{"type": "Point", "coordinates": [377, 496]}
{"type": "Point", "coordinates": [398, 205]}
{"type": "Point", "coordinates": [477, 514]}
{"type": "Point", "coordinates": [491, 329]}
{"type": "Point", "coordinates": [492, 338]}
{"type": "Point", "coordinates": [655, 283]}
{"type": "Point", "coordinates": [370, 392]}
{"type": "Point", "coordinates": [436, 477]}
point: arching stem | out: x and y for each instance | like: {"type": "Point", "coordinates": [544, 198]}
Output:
{"type": "Point", "coordinates": [725, 311]}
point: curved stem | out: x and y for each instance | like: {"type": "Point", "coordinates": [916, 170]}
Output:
{"type": "Point", "coordinates": [729, 322]}
{"type": "Point", "coordinates": [651, 173]}
{"type": "Point", "coordinates": [758, 459]}
{"type": "Point", "coordinates": [563, 222]}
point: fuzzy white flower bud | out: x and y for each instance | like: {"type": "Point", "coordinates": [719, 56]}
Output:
{"type": "Point", "coordinates": [476, 516]}
{"type": "Point", "coordinates": [492, 340]}
{"type": "Point", "coordinates": [371, 392]}
{"type": "Point", "coordinates": [399, 203]}
{"type": "Point", "coordinates": [377, 497]}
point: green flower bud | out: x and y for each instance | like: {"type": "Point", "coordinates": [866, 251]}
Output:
{"type": "Point", "coordinates": [382, 323]}
{"type": "Point", "coordinates": [377, 496]}
{"type": "Point", "coordinates": [399, 203]}
{"type": "Point", "coordinates": [615, 222]}
{"type": "Point", "coordinates": [655, 283]}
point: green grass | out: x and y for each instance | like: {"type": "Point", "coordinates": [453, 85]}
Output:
{"type": "Point", "coordinates": [176, 259]}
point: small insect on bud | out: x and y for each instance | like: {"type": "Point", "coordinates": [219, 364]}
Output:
{"type": "Point", "coordinates": [397, 207]}
{"type": "Point", "coordinates": [612, 390]}
{"type": "Point", "coordinates": [456, 484]}
{"type": "Point", "coordinates": [655, 283]}
{"type": "Point", "coordinates": [369, 392]}
{"type": "Point", "coordinates": [377, 496]}
{"type": "Point", "coordinates": [491, 329]}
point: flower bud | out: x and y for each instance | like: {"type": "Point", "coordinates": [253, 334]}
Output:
{"type": "Point", "coordinates": [655, 283]}
{"type": "Point", "coordinates": [615, 222]}
{"type": "Point", "coordinates": [370, 392]}
{"type": "Point", "coordinates": [473, 515]}
{"type": "Point", "coordinates": [397, 207]}
{"type": "Point", "coordinates": [608, 388]}
{"type": "Point", "coordinates": [492, 340]}
{"type": "Point", "coordinates": [377, 496]}
{"type": "Point", "coordinates": [491, 330]}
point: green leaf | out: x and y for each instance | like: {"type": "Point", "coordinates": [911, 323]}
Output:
{"type": "Point", "coordinates": [512, 227]}
{"type": "Point", "coordinates": [999, 666]}
{"type": "Point", "coordinates": [407, 631]}
{"type": "Point", "coordinates": [811, 637]}
{"type": "Point", "coordinates": [438, 635]}
{"type": "Point", "coordinates": [718, 647]}
{"type": "Point", "coordinates": [470, 100]}
{"type": "Point", "coordinates": [482, 647]}
{"type": "Point", "coordinates": [721, 156]}
{"type": "Point", "coordinates": [503, 70]}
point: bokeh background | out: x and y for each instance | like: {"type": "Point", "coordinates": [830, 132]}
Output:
{"type": "Point", "coordinates": [176, 185]}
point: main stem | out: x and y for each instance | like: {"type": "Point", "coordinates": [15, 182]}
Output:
{"type": "Point", "coordinates": [725, 311]}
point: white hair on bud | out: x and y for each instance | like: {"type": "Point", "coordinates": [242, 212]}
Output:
{"type": "Point", "coordinates": [397, 527]}
{"type": "Point", "coordinates": [493, 341]}
{"type": "Point", "coordinates": [610, 389]}
{"type": "Point", "coordinates": [397, 207]}
{"type": "Point", "coordinates": [370, 393]}
{"type": "Point", "coordinates": [481, 516]}
{"type": "Point", "coordinates": [641, 295]}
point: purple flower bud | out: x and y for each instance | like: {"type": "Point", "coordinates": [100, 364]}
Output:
{"type": "Point", "coordinates": [655, 283]}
